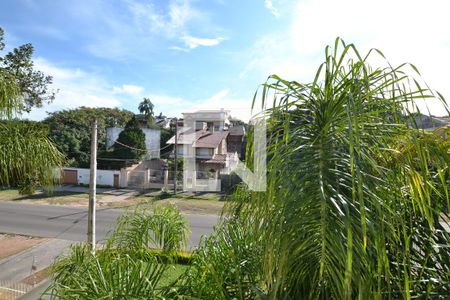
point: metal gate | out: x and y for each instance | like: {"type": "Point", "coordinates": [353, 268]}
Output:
{"type": "Point", "coordinates": [70, 177]}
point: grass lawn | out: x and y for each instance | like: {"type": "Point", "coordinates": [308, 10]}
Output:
{"type": "Point", "coordinates": [186, 205]}
{"type": "Point", "coordinates": [207, 203]}
{"type": "Point", "coordinates": [52, 198]}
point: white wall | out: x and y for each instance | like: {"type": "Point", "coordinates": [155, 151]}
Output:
{"type": "Point", "coordinates": [104, 177]}
{"type": "Point", "coordinates": [152, 140]}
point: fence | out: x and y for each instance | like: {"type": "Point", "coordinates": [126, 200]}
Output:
{"type": "Point", "coordinates": [13, 290]}
{"type": "Point", "coordinates": [157, 179]}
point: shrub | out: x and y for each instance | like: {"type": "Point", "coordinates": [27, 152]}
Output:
{"type": "Point", "coordinates": [165, 228]}
{"type": "Point", "coordinates": [226, 265]}
{"type": "Point", "coordinates": [125, 268]}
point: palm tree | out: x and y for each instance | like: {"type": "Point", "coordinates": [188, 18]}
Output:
{"type": "Point", "coordinates": [27, 157]}
{"type": "Point", "coordinates": [146, 107]}
{"type": "Point", "coordinates": [355, 195]}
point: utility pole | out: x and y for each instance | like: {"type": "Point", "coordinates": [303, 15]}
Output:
{"type": "Point", "coordinates": [92, 188]}
{"type": "Point", "coordinates": [176, 158]}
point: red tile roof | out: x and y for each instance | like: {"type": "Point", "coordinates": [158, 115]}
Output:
{"type": "Point", "coordinates": [211, 139]}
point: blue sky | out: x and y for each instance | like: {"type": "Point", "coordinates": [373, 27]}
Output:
{"type": "Point", "coordinates": [193, 54]}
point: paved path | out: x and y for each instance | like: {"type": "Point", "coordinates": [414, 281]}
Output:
{"type": "Point", "coordinates": [107, 194]}
{"type": "Point", "coordinates": [70, 223]}
{"type": "Point", "coordinates": [21, 265]}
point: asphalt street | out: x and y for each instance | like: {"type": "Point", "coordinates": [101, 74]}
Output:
{"type": "Point", "coordinates": [70, 223]}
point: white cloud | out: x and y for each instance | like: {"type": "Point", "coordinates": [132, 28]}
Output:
{"type": "Point", "coordinates": [406, 31]}
{"type": "Point", "coordinates": [130, 89]}
{"type": "Point", "coordinates": [271, 8]}
{"type": "Point", "coordinates": [194, 42]}
{"type": "Point", "coordinates": [174, 106]}
{"type": "Point", "coordinates": [80, 88]}
{"type": "Point", "coordinates": [129, 32]}
{"type": "Point", "coordinates": [76, 88]}
{"type": "Point", "coordinates": [176, 48]}
{"type": "Point", "coordinates": [172, 24]}
{"type": "Point", "coordinates": [239, 108]}
{"type": "Point", "coordinates": [168, 23]}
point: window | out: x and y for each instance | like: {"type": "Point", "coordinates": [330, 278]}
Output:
{"type": "Point", "coordinates": [208, 152]}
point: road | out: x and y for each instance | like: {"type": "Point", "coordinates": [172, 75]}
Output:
{"type": "Point", "coordinates": [70, 223]}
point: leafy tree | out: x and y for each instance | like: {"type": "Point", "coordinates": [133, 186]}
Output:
{"type": "Point", "coordinates": [131, 142]}
{"type": "Point", "coordinates": [27, 156]}
{"type": "Point", "coordinates": [32, 84]}
{"type": "Point", "coordinates": [236, 121]}
{"type": "Point", "coordinates": [146, 107]}
{"type": "Point", "coordinates": [70, 130]}
{"type": "Point", "coordinates": [166, 134]}
{"type": "Point", "coordinates": [128, 149]}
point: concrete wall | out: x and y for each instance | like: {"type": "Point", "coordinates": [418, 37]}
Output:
{"type": "Point", "coordinates": [104, 177]}
{"type": "Point", "coordinates": [152, 140]}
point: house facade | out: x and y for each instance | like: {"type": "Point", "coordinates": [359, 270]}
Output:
{"type": "Point", "coordinates": [211, 146]}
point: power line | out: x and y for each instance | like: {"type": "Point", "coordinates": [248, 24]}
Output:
{"type": "Point", "coordinates": [138, 149]}
{"type": "Point", "coordinates": [133, 148]}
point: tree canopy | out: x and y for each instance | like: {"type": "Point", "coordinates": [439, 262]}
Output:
{"type": "Point", "coordinates": [70, 130]}
{"type": "Point", "coordinates": [131, 142]}
{"type": "Point", "coordinates": [33, 85]}
{"type": "Point", "coordinates": [146, 108]}
{"type": "Point", "coordinates": [28, 158]}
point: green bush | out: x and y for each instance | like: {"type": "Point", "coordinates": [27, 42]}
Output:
{"type": "Point", "coordinates": [164, 228]}
{"type": "Point", "coordinates": [107, 275]}
{"type": "Point", "coordinates": [226, 265]}
{"type": "Point", "coordinates": [126, 268]}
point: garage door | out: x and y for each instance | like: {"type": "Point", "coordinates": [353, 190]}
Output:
{"type": "Point", "coordinates": [70, 177]}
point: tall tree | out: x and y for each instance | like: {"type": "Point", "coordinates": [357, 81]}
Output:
{"type": "Point", "coordinates": [28, 157]}
{"type": "Point", "coordinates": [146, 108]}
{"type": "Point", "coordinates": [131, 142]}
{"type": "Point", "coordinates": [32, 84]}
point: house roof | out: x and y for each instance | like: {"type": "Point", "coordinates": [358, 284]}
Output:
{"type": "Point", "coordinates": [186, 138]}
{"type": "Point", "coordinates": [211, 139]}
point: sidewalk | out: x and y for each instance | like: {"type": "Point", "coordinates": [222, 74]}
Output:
{"type": "Point", "coordinates": [108, 194]}
{"type": "Point", "coordinates": [21, 265]}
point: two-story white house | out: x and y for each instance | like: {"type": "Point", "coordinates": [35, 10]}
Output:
{"type": "Point", "coordinates": [206, 140]}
